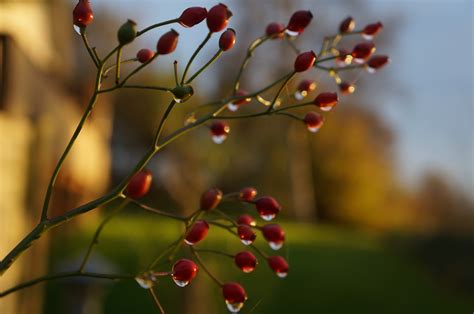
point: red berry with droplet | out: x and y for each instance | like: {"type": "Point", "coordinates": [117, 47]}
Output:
{"type": "Point", "coordinates": [247, 194]}
{"type": "Point", "coordinates": [304, 88]}
{"type": "Point", "coordinates": [167, 43]}
{"type": "Point", "coordinates": [218, 17]}
{"type": "Point", "coordinates": [234, 296]}
{"type": "Point", "coordinates": [347, 25]}
{"type": "Point", "coordinates": [346, 88]}
{"type": "Point", "coordinates": [192, 16]}
{"type": "Point", "coordinates": [246, 261]}
{"type": "Point", "coordinates": [314, 121]}
{"type": "Point", "coordinates": [279, 265]}
{"type": "Point", "coordinates": [304, 61]}
{"type": "Point", "coordinates": [82, 15]}
{"type": "Point", "coordinates": [326, 101]}
{"type": "Point", "coordinates": [219, 131]}
{"type": "Point", "coordinates": [227, 39]}
{"type": "Point", "coordinates": [139, 184]}
{"type": "Point", "coordinates": [275, 30]}
{"type": "Point", "coordinates": [267, 207]}
{"type": "Point", "coordinates": [275, 235]}
{"type": "Point", "coordinates": [246, 234]}
{"type": "Point", "coordinates": [144, 55]}
{"type": "Point", "coordinates": [377, 62]}
{"type": "Point", "coordinates": [211, 198]}
{"type": "Point", "coordinates": [299, 21]}
{"type": "Point", "coordinates": [197, 232]}
{"type": "Point", "coordinates": [363, 51]}
{"type": "Point", "coordinates": [371, 30]}
{"type": "Point", "coordinates": [246, 220]}
{"type": "Point", "coordinates": [184, 270]}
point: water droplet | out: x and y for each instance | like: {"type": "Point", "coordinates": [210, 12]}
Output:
{"type": "Point", "coordinates": [267, 217]}
{"type": "Point", "coordinates": [234, 307]}
{"type": "Point", "coordinates": [190, 119]}
{"type": "Point", "coordinates": [180, 283]}
{"type": "Point", "coordinates": [291, 33]}
{"type": "Point", "coordinates": [219, 139]}
{"type": "Point", "coordinates": [300, 95]}
{"type": "Point", "coordinates": [326, 109]}
{"type": "Point", "coordinates": [146, 280]}
{"type": "Point", "coordinates": [281, 274]}
{"type": "Point", "coordinates": [178, 100]}
{"type": "Point", "coordinates": [313, 129]}
{"type": "Point", "coordinates": [188, 242]}
{"type": "Point", "coordinates": [248, 269]}
{"type": "Point", "coordinates": [76, 28]}
{"type": "Point", "coordinates": [371, 70]}
{"type": "Point", "coordinates": [246, 242]}
{"type": "Point", "coordinates": [367, 37]}
{"type": "Point", "coordinates": [232, 107]}
{"type": "Point", "coordinates": [275, 245]}
{"type": "Point", "coordinates": [359, 60]}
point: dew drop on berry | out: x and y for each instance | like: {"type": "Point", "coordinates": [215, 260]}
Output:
{"type": "Point", "coordinates": [178, 100]}
{"type": "Point", "coordinates": [180, 283]}
{"type": "Point", "coordinates": [248, 269]}
{"type": "Point", "coordinates": [275, 245]}
{"type": "Point", "coordinates": [145, 282]}
{"type": "Point", "coordinates": [367, 37]}
{"type": "Point", "coordinates": [371, 70]}
{"type": "Point", "coordinates": [291, 33]}
{"type": "Point", "coordinates": [246, 242]}
{"type": "Point", "coordinates": [219, 139]}
{"type": "Point", "coordinates": [189, 242]}
{"type": "Point", "coordinates": [267, 217]}
{"type": "Point", "coordinates": [313, 129]}
{"type": "Point", "coordinates": [326, 109]}
{"type": "Point", "coordinates": [281, 274]}
{"type": "Point", "coordinates": [234, 307]}
{"type": "Point", "coordinates": [300, 95]}
{"type": "Point", "coordinates": [232, 107]}
{"type": "Point", "coordinates": [77, 29]}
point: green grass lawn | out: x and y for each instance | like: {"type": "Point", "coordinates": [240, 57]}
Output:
{"type": "Point", "coordinates": [332, 270]}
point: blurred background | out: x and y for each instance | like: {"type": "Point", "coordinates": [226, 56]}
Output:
{"type": "Point", "coordinates": [378, 205]}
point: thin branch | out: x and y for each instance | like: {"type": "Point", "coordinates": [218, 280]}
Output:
{"type": "Point", "coordinates": [143, 31]}
{"type": "Point", "coordinates": [203, 266]}
{"type": "Point", "coordinates": [155, 299]}
{"type": "Point", "coordinates": [157, 211]}
{"type": "Point", "coordinates": [211, 61]}
{"type": "Point", "coordinates": [196, 52]}
{"type": "Point", "coordinates": [89, 50]}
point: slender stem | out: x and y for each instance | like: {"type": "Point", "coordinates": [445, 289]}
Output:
{"type": "Point", "coordinates": [214, 252]}
{"type": "Point", "coordinates": [292, 44]}
{"type": "Point", "coordinates": [226, 217]}
{"type": "Point", "coordinates": [106, 71]}
{"type": "Point", "coordinates": [89, 50]}
{"type": "Point", "coordinates": [165, 89]}
{"type": "Point", "coordinates": [196, 52]}
{"type": "Point", "coordinates": [117, 65]}
{"type": "Point", "coordinates": [87, 112]}
{"type": "Point", "coordinates": [200, 261]}
{"type": "Point", "coordinates": [157, 211]}
{"type": "Point", "coordinates": [155, 299]}
{"type": "Point", "coordinates": [143, 31]}
{"type": "Point", "coordinates": [95, 238]}
{"type": "Point", "coordinates": [175, 68]}
{"type": "Point", "coordinates": [162, 123]}
{"type": "Point", "coordinates": [63, 275]}
{"type": "Point", "coordinates": [211, 61]}
{"type": "Point", "coordinates": [330, 58]}
{"type": "Point", "coordinates": [253, 45]}
{"type": "Point", "coordinates": [280, 91]}
{"type": "Point", "coordinates": [165, 251]}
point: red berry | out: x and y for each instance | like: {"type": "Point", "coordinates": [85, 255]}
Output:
{"type": "Point", "coordinates": [275, 30]}
{"type": "Point", "coordinates": [371, 30]}
{"type": "Point", "coordinates": [247, 194]}
{"type": "Point", "coordinates": [210, 199]}
{"type": "Point", "coordinates": [299, 21]}
{"type": "Point", "coordinates": [347, 25]}
{"type": "Point", "coordinates": [346, 88]}
{"type": "Point", "coordinates": [275, 235]}
{"type": "Point", "coordinates": [192, 16]}
{"type": "Point", "coordinates": [82, 15]}
{"type": "Point", "coordinates": [234, 105]}
{"type": "Point", "coordinates": [144, 55]}
{"type": "Point", "coordinates": [234, 296]}
{"type": "Point", "coordinates": [267, 207]}
{"type": "Point", "coordinates": [363, 51]}
{"type": "Point", "coordinates": [218, 17]}
{"type": "Point", "coordinates": [376, 62]}
{"type": "Point", "coordinates": [219, 131]}
{"type": "Point", "coordinates": [246, 220]}
{"type": "Point", "coordinates": [246, 261]}
{"type": "Point", "coordinates": [197, 232]}
{"type": "Point", "coordinates": [304, 88]}
{"type": "Point", "coordinates": [227, 39]}
{"type": "Point", "coordinates": [184, 270]}
{"type": "Point", "coordinates": [279, 265]}
{"type": "Point", "coordinates": [305, 61]}
{"type": "Point", "coordinates": [314, 121]}
{"type": "Point", "coordinates": [139, 184]}
{"type": "Point", "coordinates": [326, 101]}
{"type": "Point", "coordinates": [344, 58]}
{"type": "Point", "coordinates": [167, 43]}
{"type": "Point", "coordinates": [246, 234]}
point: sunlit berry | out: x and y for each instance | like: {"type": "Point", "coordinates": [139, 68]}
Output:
{"type": "Point", "coordinates": [246, 261]}
{"type": "Point", "coordinates": [275, 30]}
{"type": "Point", "coordinates": [279, 265]}
{"type": "Point", "coordinates": [219, 131]}
{"type": "Point", "coordinates": [127, 32]}
{"type": "Point", "coordinates": [314, 121]}
{"type": "Point", "coordinates": [218, 17]}
{"type": "Point", "coordinates": [304, 61]}
{"type": "Point", "coordinates": [197, 232]}
{"type": "Point", "coordinates": [298, 22]}
{"type": "Point", "coordinates": [347, 25]}
{"type": "Point", "coordinates": [139, 184]}
{"type": "Point", "coordinates": [167, 43]}
{"type": "Point", "coordinates": [326, 101]}
{"type": "Point", "coordinates": [267, 207]}
{"type": "Point", "coordinates": [304, 88]}
{"type": "Point", "coordinates": [192, 16]}
{"type": "Point", "coordinates": [234, 296]}
{"type": "Point", "coordinates": [344, 58]}
{"type": "Point", "coordinates": [377, 62]}
{"type": "Point", "coordinates": [247, 194]}
{"type": "Point", "coordinates": [363, 51]}
{"type": "Point", "coordinates": [346, 88]}
{"type": "Point", "coordinates": [82, 15]}
{"type": "Point", "coordinates": [275, 235]}
{"type": "Point", "coordinates": [235, 105]}
{"type": "Point", "coordinates": [246, 220]}
{"type": "Point", "coordinates": [211, 199]}
{"type": "Point", "coordinates": [184, 270]}
{"type": "Point", "coordinates": [144, 55]}
{"type": "Point", "coordinates": [371, 30]}
{"type": "Point", "coordinates": [227, 39]}
{"type": "Point", "coordinates": [246, 234]}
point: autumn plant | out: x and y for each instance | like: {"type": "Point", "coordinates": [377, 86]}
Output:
{"type": "Point", "coordinates": [266, 101]}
